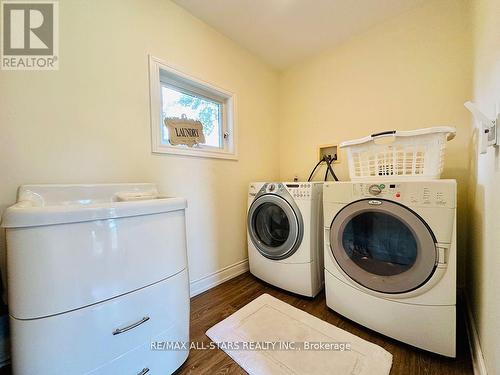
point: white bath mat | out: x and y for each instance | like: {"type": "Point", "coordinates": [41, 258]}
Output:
{"type": "Point", "coordinates": [248, 336]}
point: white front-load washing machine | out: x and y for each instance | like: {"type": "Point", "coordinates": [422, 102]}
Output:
{"type": "Point", "coordinates": [390, 258]}
{"type": "Point", "coordinates": [285, 235]}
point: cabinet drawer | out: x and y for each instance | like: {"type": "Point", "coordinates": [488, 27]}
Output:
{"type": "Point", "coordinates": [82, 340]}
{"type": "Point", "coordinates": [143, 360]}
{"type": "Point", "coordinates": [86, 263]}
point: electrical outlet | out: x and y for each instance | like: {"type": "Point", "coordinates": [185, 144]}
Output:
{"type": "Point", "coordinates": [328, 150]}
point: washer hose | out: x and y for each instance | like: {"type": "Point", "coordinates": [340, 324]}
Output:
{"type": "Point", "coordinates": [328, 160]}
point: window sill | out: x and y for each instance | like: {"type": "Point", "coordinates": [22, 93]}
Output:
{"type": "Point", "coordinates": [195, 153]}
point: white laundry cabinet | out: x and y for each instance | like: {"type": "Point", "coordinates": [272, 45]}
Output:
{"type": "Point", "coordinates": [96, 274]}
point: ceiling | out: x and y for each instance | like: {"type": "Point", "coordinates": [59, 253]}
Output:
{"type": "Point", "coordinates": [283, 32]}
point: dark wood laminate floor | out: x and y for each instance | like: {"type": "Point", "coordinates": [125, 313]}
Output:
{"type": "Point", "coordinates": [218, 303]}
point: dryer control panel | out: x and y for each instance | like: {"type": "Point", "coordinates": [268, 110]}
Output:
{"type": "Point", "coordinates": [439, 193]}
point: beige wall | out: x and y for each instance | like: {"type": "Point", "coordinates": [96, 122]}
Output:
{"type": "Point", "coordinates": [410, 72]}
{"type": "Point", "coordinates": [484, 258]}
{"type": "Point", "coordinates": [89, 121]}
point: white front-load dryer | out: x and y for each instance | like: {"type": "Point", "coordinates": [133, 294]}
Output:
{"type": "Point", "coordinates": [285, 235]}
{"type": "Point", "coordinates": [390, 258]}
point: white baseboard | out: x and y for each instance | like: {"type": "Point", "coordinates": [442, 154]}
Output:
{"type": "Point", "coordinates": [207, 282]}
{"type": "Point", "coordinates": [476, 353]}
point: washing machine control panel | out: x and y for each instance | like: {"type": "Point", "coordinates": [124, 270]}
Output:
{"type": "Point", "coordinates": [381, 190]}
{"type": "Point", "coordinates": [417, 193]}
{"type": "Point", "coordinates": [300, 190]}
{"type": "Point", "coordinates": [375, 189]}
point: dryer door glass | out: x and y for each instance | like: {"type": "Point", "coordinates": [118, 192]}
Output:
{"type": "Point", "coordinates": [274, 227]}
{"type": "Point", "coordinates": [382, 245]}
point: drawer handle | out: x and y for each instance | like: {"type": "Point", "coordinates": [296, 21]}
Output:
{"type": "Point", "coordinates": [133, 325]}
{"type": "Point", "coordinates": [144, 371]}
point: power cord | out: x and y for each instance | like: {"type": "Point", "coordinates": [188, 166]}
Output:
{"type": "Point", "coordinates": [314, 169]}
{"type": "Point", "coordinates": [328, 160]}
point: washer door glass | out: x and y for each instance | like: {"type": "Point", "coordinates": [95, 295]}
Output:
{"type": "Point", "coordinates": [379, 243]}
{"type": "Point", "coordinates": [383, 246]}
{"type": "Point", "coordinates": [273, 227]}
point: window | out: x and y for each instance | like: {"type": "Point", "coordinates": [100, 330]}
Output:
{"type": "Point", "coordinates": [177, 95]}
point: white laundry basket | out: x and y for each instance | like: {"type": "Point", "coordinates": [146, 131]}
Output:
{"type": "Point", "coordinates": [415, 154]}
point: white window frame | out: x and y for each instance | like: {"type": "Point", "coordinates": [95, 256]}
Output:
{"type": "Point", "coordinates": [161, 74]}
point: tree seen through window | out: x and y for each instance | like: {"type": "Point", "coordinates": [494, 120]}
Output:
{"type": "Point", "coordinates": [176, 104]}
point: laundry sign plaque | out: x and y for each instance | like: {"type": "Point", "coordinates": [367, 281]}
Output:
{"type": "Point", "coordinates": [184, 131]}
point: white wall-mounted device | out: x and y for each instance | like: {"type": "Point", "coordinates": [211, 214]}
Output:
{"type": "Point", "coordinates": [488, 132]}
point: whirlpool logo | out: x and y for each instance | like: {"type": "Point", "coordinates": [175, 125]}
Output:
{"type": "Point", "coordinates": [30, 35]}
